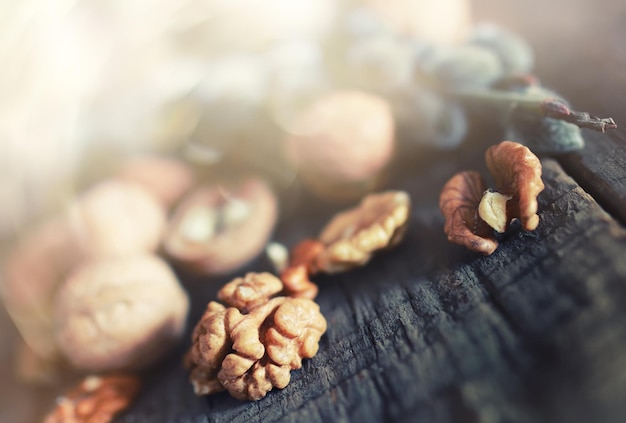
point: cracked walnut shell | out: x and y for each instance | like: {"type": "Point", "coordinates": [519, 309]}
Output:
{"type": "Point", "coordinates": [351, 237]}
{"type": "Point", "coordinates": [251, 348]}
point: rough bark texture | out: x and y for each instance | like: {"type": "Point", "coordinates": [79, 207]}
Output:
{"type": "Point", "coordinates": [433, 333]}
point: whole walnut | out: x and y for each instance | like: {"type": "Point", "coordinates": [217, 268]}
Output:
{"type": "Point", "coordinates": [117, 217]}
{"type": "Point", "coordinates": [342, 142]}
{"type": "Point", "coordinates": [39, 262]}
{"type": "Point", "coordinates": [119, 313]}
{"type": "Point", "coordinates": [252, 346]}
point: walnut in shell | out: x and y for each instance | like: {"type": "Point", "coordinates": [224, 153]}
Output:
{"type": "Point", "coordinates": [251, 350]}
{"type": "Point", "coordinates": [37, 265]}
{"type": "Point", "coordinates": [119, 313]}
{"type": "Point", "coordinates": [117, 217]}
{"type": "Point", "coordinates": [351, 237]}
{"type": "Point", "coordinates": [342, 142]}
{"type": "Point", "coordinates": [215, 230]}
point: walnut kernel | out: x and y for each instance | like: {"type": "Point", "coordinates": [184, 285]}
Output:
{"type": "Point", "coordinates": [251, 350]}
{"type": "Point", "coordinates": [351, 237]}
{"type": "Point", "coordinates": [459, 202]}
{"type": "Point", "coordinates": [96, 399]}
{"type": "Point", "coordinates": [471, 211]}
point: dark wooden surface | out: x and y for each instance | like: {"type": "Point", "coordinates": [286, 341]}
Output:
{"type": "Point", "coordinates": [430, 332]}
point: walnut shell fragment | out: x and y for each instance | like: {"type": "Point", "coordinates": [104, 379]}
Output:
{"type": "Point", "coordinates": [215, 230]}
{"type": "Point", "coordinates": [459, 202]}
{"type": "Point", "coordinates": [351, 237]}
{"type": "Point", "coordinates": [251, 348]}
{"type": "Point", "coordinates": [96, 399]}
{"type": "Point", "coordinates": [472, 211]}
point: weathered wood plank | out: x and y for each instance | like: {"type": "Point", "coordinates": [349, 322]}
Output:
{"type": "Point", "coordinates": [430, 332]}
{"type": "Point", "coordinates": [600, 169]}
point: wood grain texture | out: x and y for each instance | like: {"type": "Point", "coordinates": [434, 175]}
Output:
{"type": "Point", "coordinates": [433, 333]}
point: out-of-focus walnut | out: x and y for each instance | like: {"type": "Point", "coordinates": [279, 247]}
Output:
{"type": "Point", "coordinates": [166, 178]}
{"type": "Point", "coordinates": [342, 142]}
{"type": "Point", "coordinates": [351, 237]}
{"type": "Point", "coordinates": [37, 265]}
{"type": "Point", "coordinates": [117, 217]}
{"type": "Point", "coordinates": [472, 211]}
{"type": "Point", "coordinates": [250, 350]}
{"type": "Point", "coordinates": [215, 230]}
{"type": "Point", "coordinates": [517, 173]}
{"type": "Point", "coordinates": [97, 399]}
{"type": "Point", "coordinates": [459, 202]}
{"type": "Point", "coordinates": [119, 313]}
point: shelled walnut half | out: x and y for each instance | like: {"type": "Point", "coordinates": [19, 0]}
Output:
{"type": "Point", "coordinates": [353, 236]}
{"type": "Point", "coordinates": [251, 346]}
{"type": "Point", "coordinates": [471, 210]}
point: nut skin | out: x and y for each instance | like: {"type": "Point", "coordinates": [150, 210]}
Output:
{"type": "Point", "coordinates": [341, 143]}
{"type": "Point", "coordinates": [117, 217]}
{"type": "Point", "coordinates": [252, 350]}
{"type": "Point", "coordinates": [96, 399]}
{"type": "Point", "coordinates": [119, 313]}
{"type": "Point", "coordinates": [226, 250]}
{"type": "Point", "coordinates": [517, 172]}
{"type": "Point", "coordinates": [166, 178]}
{"type": "Point", "coordinates": [458, 201]}
{"type": "Point", "coordinates": [352, 237]}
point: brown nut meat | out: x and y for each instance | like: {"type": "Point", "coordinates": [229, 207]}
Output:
{"type": "Point", "coordinates": [517, 173]}
{"type": "Point", "coordinates": [119, 313]}
{"type": "Point", "coordinates": [252, 350]}
{"type": "Point", "coordinates": [472, 211]}
{"type": "Point", "coordinates": [97, 399]}
{"type": "Point", "coordinates": [459, 202]}
{"type": "Point", "coordinates": [351, 237]}
{"type": "Point", "coordinates": [215, 231]}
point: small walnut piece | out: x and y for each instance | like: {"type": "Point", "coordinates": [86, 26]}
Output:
{"type": "Point", "coordinates": [215, 230]}
{"type": "Point", "coordinates": [119, 313]}
{"type": "Point", "coordinates": [471, 211]}
{"type": "Point", "coordinates": [517, 172]}
{"type": "Point", "coordinates": [252, 349]}
{"type": "Point", "coordinates": [351, 237]}
{"type": "Point", "coordinates": [459, 202]}
{"type": "Point", "coordinates": [97, 399]}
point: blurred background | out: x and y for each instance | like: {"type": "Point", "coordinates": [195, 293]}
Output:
{"type": "Point", "coordinates": [224, 86]}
